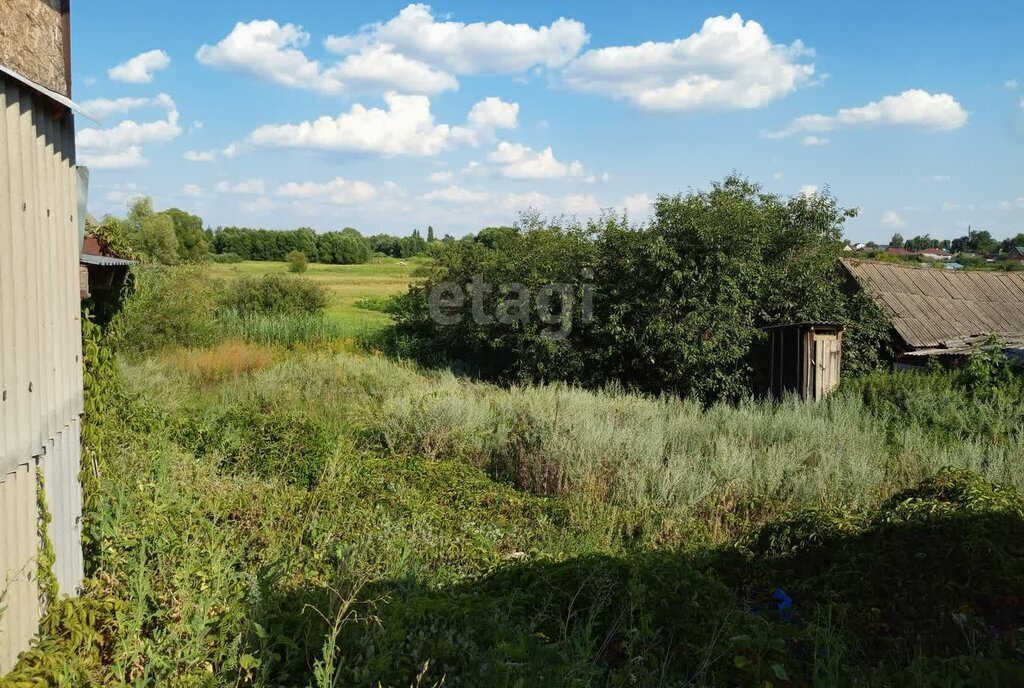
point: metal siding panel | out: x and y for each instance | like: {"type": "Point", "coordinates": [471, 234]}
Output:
{"type": "Point", "coordinates": [40, 343]}
{"type": "Point", "coordinates": [33, 324]}
{"type": "Point", "coordinates": [8, 419]}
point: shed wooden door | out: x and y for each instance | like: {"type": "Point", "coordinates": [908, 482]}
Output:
{"type": "Point", "coordinates": [827, 360]}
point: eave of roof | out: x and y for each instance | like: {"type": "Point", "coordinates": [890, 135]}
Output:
{"type": "Point", "coordinates": [107, 261]}
{"type": "Point", "coordinates": [52, 95]}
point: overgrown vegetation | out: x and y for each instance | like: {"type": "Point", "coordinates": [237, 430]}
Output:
{"type": "Point", "coordinates": [678, 305]}
{"type": "Point", "coordinates": [268, 505]}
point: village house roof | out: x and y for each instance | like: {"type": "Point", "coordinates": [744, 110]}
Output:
{"type": "Point", "coordinates": [946, 310]}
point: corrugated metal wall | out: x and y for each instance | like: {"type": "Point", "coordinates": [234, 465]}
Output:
{"type": "Point", "coordinates": [40, 353]}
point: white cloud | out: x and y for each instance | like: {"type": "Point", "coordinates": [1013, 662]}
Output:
{"type": "Point", "coordinates": [941, 178]}
{"type": "Point", "coordinates": [379, 67]}
{"type": "Point", "coordinates": [814, 141]}
{"type": "Point", "coordinates": [1011, 84]}
{"type": "Point", "coordinates": [105, 107]}
{"type": "Point", "coordinates": [248, 186]}
{"type": "Point", "coordinates": [912, 108]}
{"type": "Point", "coordinates": [275, 53]}
{"type": "Point", "coordinates": [494, 113]}
{"type": "Point", "coordinates": [130, 133]}
{"type": "Point", "coordinates": [193, 190]}
{"type": "Point", "coordinates": [457, 194]}
{"type": "Point", "coordinates": [339, 191]}
{"type": "Point", "coordinates": [517, 161]}
{"type": "Point", "coordinates": [406, 127]}
{"type": "Point", "coordinates": [199, 156]}
{"type": "Point", "coordinates": [728, 64]}
{"type": "Point", "coordinates": [122, 193]}
{"type": "Point", "coordinates": [139, 69]}
{"type": "Point", "coordinates": [1022, 103]}
{"type": "Point", "coordinates": [268, 50]}
{"type": "Point", "coordinates": [477, 48]}
{"type": "Point", "coordinates": [890, 218]}
{"type": "Point", "coordinates": [124, 159]}
{"type": "Point", "coordinates": [637, 205]}
{"type": "Point", "coordinates": [595, 178]}
{"type": "Point", "coordinates": [808, 189]}
{"type": "Point", "coordinates": [441, 177]}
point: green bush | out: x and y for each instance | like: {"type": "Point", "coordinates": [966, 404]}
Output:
{"type": "Point", "coordinates": [275, 294]}
{"type": "Point", "coordinates": [226, 258]}
{"type": "Point", "coordinates": [166, 306]}
{"type": "Point", "coordinates": [280, 329]}
{"type": "Point", "coordinates": [297, 261]}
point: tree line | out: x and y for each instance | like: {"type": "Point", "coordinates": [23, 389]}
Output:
{"type": "Point", "coordinates": [174, 235]}
{"type": "Point", "coordinates": [975, 241]}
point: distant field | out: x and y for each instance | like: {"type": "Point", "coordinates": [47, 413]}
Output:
{"type": "Point", "coordinates": [346, 283]}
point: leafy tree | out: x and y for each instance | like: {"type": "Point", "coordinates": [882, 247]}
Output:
{"type": "Point", "coordinates": [297, 261]}
{"type": "Point", "coordinates": [156, 239]}
{"type": "Point", "coordinates": [975, 242]}
{"type": "Point", "coordinates": [1011, 242]}
{"type": "Point", "coordinates": [430, 234]}
{"type": "Point", "coordinates": [192, 242]}
{"type": "Point", "coordinates": [341, 248]}
{"type": "Point", "coordinates": [897, 241]}
{"type": "Point", "coordinates": [679, 305]}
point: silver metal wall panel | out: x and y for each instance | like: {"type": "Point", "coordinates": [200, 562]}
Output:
{"type": "Point", "coordinates": [40, 354]}
{"type": "Point", "coordinates": [18, 584]}
{"type": "Point", "coordinates": [60, 466]}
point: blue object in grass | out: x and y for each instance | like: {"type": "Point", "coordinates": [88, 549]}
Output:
{"type": "Point", "coordinates": [785, 605]}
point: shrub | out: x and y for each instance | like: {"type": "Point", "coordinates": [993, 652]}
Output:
{"type": "Point", "coordinates": [226, 258]}
{"type": "Point", "coordinates": [275, 294]}
{"type": "Point", "coordinates": [297, 261]}
{"type": "Point", "coordinates": [280, 329]}
{"type": "Point", "coordinates": [166, 306]}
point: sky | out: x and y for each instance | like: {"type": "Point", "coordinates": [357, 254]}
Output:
{"type": "Point", "coordinates": [390, 117]}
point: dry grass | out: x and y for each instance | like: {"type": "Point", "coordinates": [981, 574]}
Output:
{"type": "Point", "coordinates": [227, 361]}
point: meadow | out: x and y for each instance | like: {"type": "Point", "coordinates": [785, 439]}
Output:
{"type": "Point", "coordinates": [299, 511]}
{"type": "Point", "coordinates": [347, 286]}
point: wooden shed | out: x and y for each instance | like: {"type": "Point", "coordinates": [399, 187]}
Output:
{"type": "Point", "coordinates": [804, 359]}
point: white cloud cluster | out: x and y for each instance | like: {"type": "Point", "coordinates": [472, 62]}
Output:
{"type": "Point", "coordinates": [457, 194]}
{"type": "Point", "coordinates": [339, 191]}
{"type": "Point", "coordinates": [411, 53]}
{"type": "Point", "coordinates": [139, 69]}
{"type": "Point", "coordinates": [406, 127]}
{"type": "Point", "coordinates": [477, 48]}
{"type": "Point", "coordinates": [730, 63]}
{"type": "Point", "coordinates": [105, 107]}
{"type": "Point", "coordinates": [912, 108]}
{"type": "Point", "coordinates": [120, 146]}
{"type": "Point", "coordinates": [890, 218]}
{"type": "Point", "coordinates": [517, 161]}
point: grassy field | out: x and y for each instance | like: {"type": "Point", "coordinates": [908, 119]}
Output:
{"type": "Point", "coordinates": [347, 284]}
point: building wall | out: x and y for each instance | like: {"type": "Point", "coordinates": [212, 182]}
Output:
{"type": "Point", "coordinates": [33, 42]}
{"type": "Point", "coordinates": [40, 353]}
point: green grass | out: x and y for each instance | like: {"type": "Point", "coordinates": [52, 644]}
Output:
{"type": "Point", "coordinates": [347, 284]}
{"type": "Point", "coordinates": [310, 517]}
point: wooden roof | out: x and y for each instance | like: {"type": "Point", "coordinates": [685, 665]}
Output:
{"type": "Point", "coordinates": [944, 308]}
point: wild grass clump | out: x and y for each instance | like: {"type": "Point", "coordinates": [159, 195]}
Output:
{"type": "Point", "coordinates": [226, 361]}
{"type": "Point", "coordinates": [280, 329]}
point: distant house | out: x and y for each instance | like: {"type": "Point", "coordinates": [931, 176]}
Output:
{"type": "Point", "coordinates": [934, 254]}
{"type": "Point", "coordinates": [1016, 253]}
{"type": "Point", "coordinates": [943, 313]}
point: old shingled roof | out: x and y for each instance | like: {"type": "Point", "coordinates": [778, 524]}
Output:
{"type": "Point", "coordinates": [944, 308]}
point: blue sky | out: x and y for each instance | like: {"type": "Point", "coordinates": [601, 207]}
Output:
{"type": "Point", "coordinates": [390, 116]}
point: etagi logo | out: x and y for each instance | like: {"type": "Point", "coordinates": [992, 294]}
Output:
{"type": "Point", "coordinates": [555, 304]}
